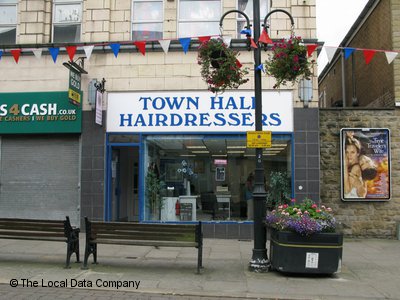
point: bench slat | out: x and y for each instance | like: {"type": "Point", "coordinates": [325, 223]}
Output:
{"type": "Point", "coordinates": [31, 227]}
{"type": "Point", "coordinates": [146, 243]}
{"type": "Point", "coordinates": [32, 233]}
{"type": "Point", "coordinates": [144, 236]}
{"type": "Point", "coordinates": [35, 238]}
{"type": "Point", "coordinates": [143, 227]}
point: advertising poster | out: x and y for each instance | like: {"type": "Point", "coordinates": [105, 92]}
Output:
{"type": "Point", "coordinates": [365, 164]}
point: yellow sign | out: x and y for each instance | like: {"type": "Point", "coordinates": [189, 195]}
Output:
{"type": "Point", "coordinates": [74, 96]}
{"type": "Point", "coordinates": [259, 139]}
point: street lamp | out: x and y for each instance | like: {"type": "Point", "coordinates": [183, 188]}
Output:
{"type": "Point", "coordinates": [259, 261]}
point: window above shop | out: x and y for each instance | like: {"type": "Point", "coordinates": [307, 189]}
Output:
{"type": "Point", "coordinates": [199, 17]}
{"type": "Point", "coordinates": [8, 22]}
{"type": "Point", "coordinates": [246, 6]}
{"type": "Point", "coordinates": [67, 21]}
{"type": "Point", "coordinates": [147, 19]}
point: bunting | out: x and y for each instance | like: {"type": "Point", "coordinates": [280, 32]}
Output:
{"type": "Point", "coordinates": [185, 42]}
{"type": "Point", "coordinates": [311, 48]}
{"type": "Point", "coordinates": [141, 47]}
{"type": "Point", "coordinates": [115, 48]}
{"type": "Point", "coordinates": [165, 45]}
{"type": "Point", "coordinates": [37, 52]}
{"type": "Point", "coordinates": [54, 53]}
{"type": "Point", "coordinates": [264, 38]}
{"type": "Point", "coordinates": [390, 56]}
{"type": "Point", "coordinates": [348, 52]}
{"type": "Point", "coordinates": [368, 55]}
{"type": "Point", "coordinates": [88, 51]}
{"type": "Point", "coordinates": [330, 51]}
{"type": "Point", "coordinates": [16, 53]}
{"type": "Point", "coordinates": [71, 52]}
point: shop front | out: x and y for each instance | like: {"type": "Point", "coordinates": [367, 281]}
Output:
{"type": "Point", "coordinates": [40, 156]}
{"type": "Point", "coordinates": [182, 156]}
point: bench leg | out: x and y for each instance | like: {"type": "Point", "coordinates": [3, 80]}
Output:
{"type": "Point", "coordinates": [199, 259]}
{"type": "Point", "coordinates": [90, 249]}
{"type": "Point", "coordinates": [72, 247]}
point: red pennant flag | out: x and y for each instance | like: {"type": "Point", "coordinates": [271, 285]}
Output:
{"type": "Point", "coordinates": [238, 63]}
{"type": "Point", "coordinates": [16, 53]}
{"type": "Point", "coordinates": [368, 55]}
{"type": "Point", "coordinates": [141, 47]}
{"type": "Point", "coordinates": [311, 49]}
{"type": "Point", "coordinates": [203, 39]}
{"type": "Point", "coordinates": [71, 52]}
{"type": "Point", "coordinates": [253, 44]}
{"type": "Point", "coordinates": [264, 38]}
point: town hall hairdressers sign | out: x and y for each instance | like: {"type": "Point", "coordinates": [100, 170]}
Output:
{"type": "Point", "coordinates": [193, 111]}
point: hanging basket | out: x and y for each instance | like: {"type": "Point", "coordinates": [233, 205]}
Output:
{"type": "Point", "coordinates": [288, 61]}
{"type": "Point", "coordinates": [220, 68]}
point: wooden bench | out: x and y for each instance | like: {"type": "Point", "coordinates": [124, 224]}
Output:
{"type": "Point", "coordinates": [42, 230]}
{"type": "Point", "coordinates": [141, 234]}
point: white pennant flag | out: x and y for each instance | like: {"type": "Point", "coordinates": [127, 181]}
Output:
{"type": "Point", "coordinates": [227, 40]}
{"type": "Point", "coordinates": [330, 52]}
{"type": "Point", "coordinates": [88, 51]}
{"type": "Point", "coordinates": [165, 45]}
{"type": "Point", "coordinates": [37, 52]}
{"type": "Point", "coordinates": [390, 56]}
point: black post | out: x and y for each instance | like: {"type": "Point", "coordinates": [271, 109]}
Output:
{"type": "Point", "coordinates": [259, 261]}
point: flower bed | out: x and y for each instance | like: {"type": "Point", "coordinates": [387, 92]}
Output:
{"type": "Point", "coordinates": [304, 218]}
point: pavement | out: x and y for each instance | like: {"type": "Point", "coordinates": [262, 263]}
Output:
{"type": "Point", "coordinates": [370, 270]}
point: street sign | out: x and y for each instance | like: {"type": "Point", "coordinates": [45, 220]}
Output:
{"type": "Point", "coordinates": [74, 90]}
{"type": "Point", "coordinates": [259, 139]}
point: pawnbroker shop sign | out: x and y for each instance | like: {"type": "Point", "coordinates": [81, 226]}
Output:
{"type": "Point", "coordinates": [47, 112]}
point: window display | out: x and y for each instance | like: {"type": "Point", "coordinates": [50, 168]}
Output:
{"type": "Point", "coordinates": [204, 177]}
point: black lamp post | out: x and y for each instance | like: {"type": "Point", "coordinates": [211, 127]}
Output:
{"type": "Point", "coordinates": [259, 261]}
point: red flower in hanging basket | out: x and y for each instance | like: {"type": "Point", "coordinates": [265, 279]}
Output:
{"type": "Point", "coordinates": [288, 61]}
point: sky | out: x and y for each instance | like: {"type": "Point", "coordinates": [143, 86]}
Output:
{"type": "Point", "coordinates": [334, 20]}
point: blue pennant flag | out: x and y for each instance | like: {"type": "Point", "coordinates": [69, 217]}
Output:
{"type": "Point", "coordinates": [261, 68]}
{"type": "Point", "coordinates": [54, 53]}
{"type": "Point", "coordinates": [348, 52]}
{"type": "Point", "coordinates": [185, 42]}
{"type": "Point", "coordinates": [115, 48]}
{"type": "Point", "coordinates": [246, 32]}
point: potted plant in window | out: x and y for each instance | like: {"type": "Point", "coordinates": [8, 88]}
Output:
{"type": "Point", "coordinates": [220, 68]}
{"type": "Point", "coordinates": [154, 188]}
{"type": "Point", "coordinates": [304, 239]}
{"type": "Point", "coordinates": [278, 189]}
{"type": "Point", "coordinates": [288, 61]}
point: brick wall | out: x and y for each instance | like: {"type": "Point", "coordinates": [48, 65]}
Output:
{"type": "Point", "coordinates": [372, 80]}
{"type": "Point", "coordinates": [367, 219]}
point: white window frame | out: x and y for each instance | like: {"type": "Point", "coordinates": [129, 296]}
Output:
{"type": "Point", "coordinates": [179, 21]}
{"type": "Point", "coordinates": [148, 21]}
{"type": "Point", "coordinates": [241, 18]}
{"type": "Point", "coordinates": [55, 23]}
{"type": "Point", "coordinates": [11, 3]}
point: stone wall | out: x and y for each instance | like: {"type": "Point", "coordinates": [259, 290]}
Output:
{"type": "Point", "coordinates": [366, 219]}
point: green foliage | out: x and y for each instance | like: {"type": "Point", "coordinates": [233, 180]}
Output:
{"type": "Point", "coordinates": [154, 188]}
{"type": "Point", "coordinates": [279, 189]}
{"type": "Point", "coordinates": [288, 61]}
{"type": "Point", "coordinates": [220, 67]}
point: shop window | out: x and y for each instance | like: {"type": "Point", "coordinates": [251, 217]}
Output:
{"type": "Point", "coordinates": [207, 177]}
{"type": "Point", "coordinates": [199, 17]}
{"type": "Point", "coordinates": [247, 7]}
{"type": "Point", "coordinates": [67, 21]}
{"type": "Point", "coordinates": [8, 21]}
{"type": "Point", "coordinates": [147, 19]}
